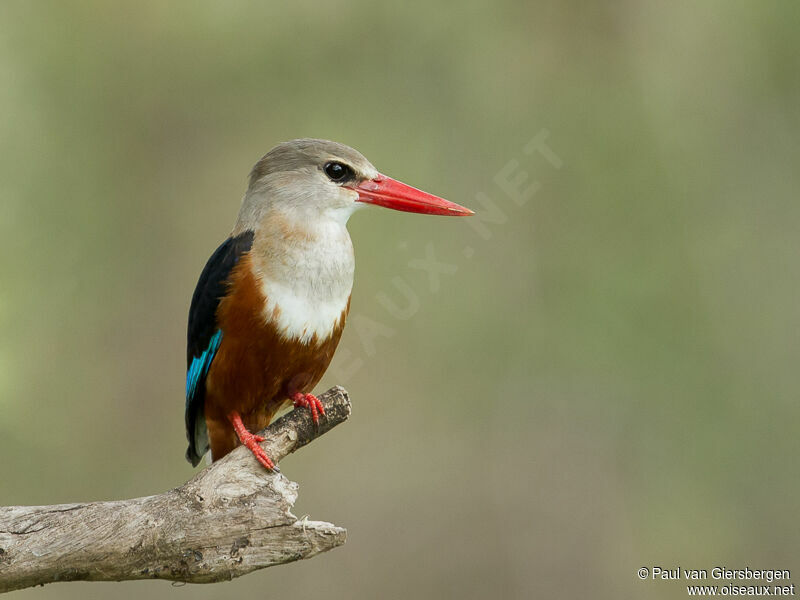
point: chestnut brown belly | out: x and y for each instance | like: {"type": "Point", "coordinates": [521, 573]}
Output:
{"type": "Point", "coordinates": [256, 370]}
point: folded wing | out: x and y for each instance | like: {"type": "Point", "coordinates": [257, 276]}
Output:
{"type": "Point", "coordinates": [205, 336]}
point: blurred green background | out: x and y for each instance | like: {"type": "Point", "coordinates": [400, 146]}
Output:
{"type": "Point", "coordinates": [604, 378]}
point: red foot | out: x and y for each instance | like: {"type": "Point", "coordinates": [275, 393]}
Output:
{"type": "Point", "coordinates": [250, 440]}
{"type": "Point", "coordinates": [312, 403]}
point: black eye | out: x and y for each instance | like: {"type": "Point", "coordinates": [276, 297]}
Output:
{"type": "Point", "coordinates": [337, 171]}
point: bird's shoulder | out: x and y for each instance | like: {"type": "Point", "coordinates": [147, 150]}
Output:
{"type": "Point", "coordinates": [211, 288]}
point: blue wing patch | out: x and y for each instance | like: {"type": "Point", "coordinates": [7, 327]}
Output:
{"type": "Point", "coordinates": [204, 336]}
{"type": "Point", "coordinates": [200, 365]}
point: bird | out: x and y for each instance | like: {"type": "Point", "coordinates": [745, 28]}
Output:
{"type": "Point", "coordinates": [271, 303]}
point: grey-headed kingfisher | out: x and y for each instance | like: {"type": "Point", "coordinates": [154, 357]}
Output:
{"type": "Point", "coordinates": [271, 302]}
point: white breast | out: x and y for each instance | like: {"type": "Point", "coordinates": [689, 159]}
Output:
{"type": "Point", "coordinates": [306, 279]}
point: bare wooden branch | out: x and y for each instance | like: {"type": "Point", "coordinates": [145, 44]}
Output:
{"type": "Point", "coordinates": [230, 519]}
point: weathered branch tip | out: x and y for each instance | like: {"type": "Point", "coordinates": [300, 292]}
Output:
{"type": "Point", "coordinates": [231, 518]}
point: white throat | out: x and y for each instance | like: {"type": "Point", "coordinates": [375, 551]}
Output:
{"type": "Point", "coordinates": [306, 273]}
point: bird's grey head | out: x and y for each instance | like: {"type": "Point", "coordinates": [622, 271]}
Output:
{"type": "Point", "coordinates": [307, 180]}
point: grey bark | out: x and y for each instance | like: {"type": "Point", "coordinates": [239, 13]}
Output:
{"type": "Point", "coordinates": [230, 519]}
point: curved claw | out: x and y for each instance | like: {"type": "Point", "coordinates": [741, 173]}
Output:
{"type": "Point", "coordinates": [312, 403]}
{"type": "Point", "coordinates": [251, 441]}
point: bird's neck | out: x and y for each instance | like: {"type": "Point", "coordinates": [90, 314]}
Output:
{"type": "Point", "coordinates": [306, 273]}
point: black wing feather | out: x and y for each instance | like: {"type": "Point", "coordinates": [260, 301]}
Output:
{"type": "Point", "coordinates": [211, 288]}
